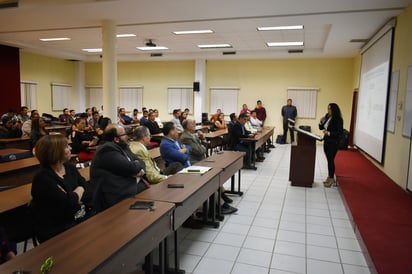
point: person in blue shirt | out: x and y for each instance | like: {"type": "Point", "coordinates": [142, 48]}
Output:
{"type": "Point", "coordinates": [123, 118]}
{"type": "Point", "coordinates": [288, 111]}
{"type": "Point", "coordinates": [171, 149]}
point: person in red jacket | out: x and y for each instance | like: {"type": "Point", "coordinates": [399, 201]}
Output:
{"type": "Point", "coordinates": [260, 112]}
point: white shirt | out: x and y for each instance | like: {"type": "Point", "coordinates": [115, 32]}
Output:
{"type": "Point", "coordinates": [256, 123]}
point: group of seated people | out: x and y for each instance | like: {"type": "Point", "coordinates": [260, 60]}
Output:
{"type": "Point", "coordinates": [119, 168]}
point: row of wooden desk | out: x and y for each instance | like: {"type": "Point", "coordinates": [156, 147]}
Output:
{"type": "Point", "coordinates": [115, 240]}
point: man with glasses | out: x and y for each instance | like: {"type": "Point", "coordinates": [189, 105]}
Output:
{"type": "Point", "coordinates": [116, 173]}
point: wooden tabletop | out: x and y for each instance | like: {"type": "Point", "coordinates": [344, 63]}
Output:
{"type": "Point", "coordinates": [57, 127]}
{"type": "Point", "coordinates": [261, 137]}
{"type": "Point", "coordinates": [7, 151]}
{"type": "Point", "coordinates": [21, 142]}
{"type": "Point", "coordinates": [154, 153]}
{"type": "Point", "coordinates": [221, 159]}
{"type": "Point", "coordinates": [10, 140]}
{"type": "Point", "coordinates": [100, 242]}
{"type": "Point", "coordinates": [215, 134]}
{"type": "Point", "coordinates": [15, 197]}
{"type": "Point", "coordinates": [18, 164]}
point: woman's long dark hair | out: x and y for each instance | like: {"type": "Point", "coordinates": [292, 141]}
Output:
{"type": "Point", "coordinates": [35, 125]}
{"type": "Point", "coordinates": [336, 114]}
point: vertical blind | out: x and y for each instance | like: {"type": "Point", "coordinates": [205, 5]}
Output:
{"type": "Point", "coordinates": [223, 98]}
{"type": "Point", "coordinates": [179, 97]}
{"type": "Point", "coordinates": [305, 100]}
{"type": "Point", "coordinates": [28, 93]}
{"type": "Point", "coordinates": [61, 97]}
{"type": "Point", "coordinates": [131, 98]}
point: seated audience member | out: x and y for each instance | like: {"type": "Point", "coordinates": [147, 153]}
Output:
{"type": "Point", "coordinates": [116, 173]}
{"type": "Point", "coordinates": [87, 126]}
{"type": "Point", "coordinates": [220, 122]}
{"type": "Point", "coordinates": [238, 132]}
{"type": "Point", "coordinates": [8, 250]}
{"type": "Point", "coordinates": [244, 109]}
{"type": "Point", "coordinates": [171, 149]}
{"type": "Point", "coordinates": [58, 190]}
{"type": "Point", "coordinates": [103, 123]}
{"type": "Point", "coordinates": [72, 116]}
{"type": "Point", "coordinates": [136, 116]}
{"type": "Point", "coordinates": [26, 127]}
{"type": "Point", "coordinates": [176, 120]}
{"type": "Point", "coordinates": [10, 129]}
{"type": "Point", "coordinates": [82, 140]}
{"type": "Point", "coordinates": [94, 122]}
{"type": "Point", "coordinates": [187, 111]}
{"type": "Point", "coordinates": [144, 118]}
{"type": "Point", "coordinates": [10, 114]}
{"type": "Point", "coordinates": [254, 121]}
{"type": "Point", "coordinates": [139, 147]}
{"type": "Point", "coordinates": [154, 128]}
{"type": "Point", "coordinates": [157, 119]}
{"type": "Point", "coordinates": [65, 117]}
{"type": "Point", "coordinates": [248, 125]}
{"type": "Point", "coordinates": [190, 138]}
{"type": "Point", "coordinates": [123, 118]}
{"type": "Point", "coordinates": [38, 130]}
{"type": "Point", "coordinates": [89, 117]}
{"type": "Point", "coordinates": [183, 116]}
{"type": "Point", "coordinates": [216, 115]}
{"type": "Point", "coordinates": [233, 120]}
{"type": "Point", "coordinates": [23, 116]}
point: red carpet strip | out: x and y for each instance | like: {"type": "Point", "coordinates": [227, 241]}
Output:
{"type": "Point", "coordinates": [381, 210]}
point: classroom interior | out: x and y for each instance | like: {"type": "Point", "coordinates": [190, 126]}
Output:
{"type": "Point", "coordinates": [257, 78]}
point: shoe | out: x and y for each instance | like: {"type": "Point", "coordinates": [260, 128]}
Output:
{"type": "Point", "coordinates": [329, 183]}
{"type": "Point", "coordinates": [267, 150]}
{"type": "Point", "coordinates": [192, 223]}
{"type": "Point", "coordinates": [226, 198]}
{"type": "Point", "coordinates": [271, 146]}
{"type": "Point", "coordinates": [326, 181]}
{"type": "Point", "coordinates": [227, 209]}
{"type": "Point", "coordinates": [259, 160]}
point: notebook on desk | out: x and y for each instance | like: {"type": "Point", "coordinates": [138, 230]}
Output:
{"type": "Point", "coordinates": [195, 169]}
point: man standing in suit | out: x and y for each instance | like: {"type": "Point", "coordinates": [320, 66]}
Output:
{"type": "Point", "coordinates": [288, 112]}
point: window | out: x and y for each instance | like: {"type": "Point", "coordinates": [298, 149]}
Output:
{"type": "Point", "coordinates": [305, 101]}
{"type": "Point", "coordinates": [224, 98]}
{"type": "Point", "coordinates": [60, 96]}
{"type": "Point", "coordinates": [180, 97]}
{"type": "Point", "coordinates": [28, 93]}
{"type": "Point", "coordinates": [95, 96]}
{"type": "Point", "coordinates": [131, 98]}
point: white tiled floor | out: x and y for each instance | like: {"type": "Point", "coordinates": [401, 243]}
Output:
{"type": "Point", "coordinates": [278, 228]}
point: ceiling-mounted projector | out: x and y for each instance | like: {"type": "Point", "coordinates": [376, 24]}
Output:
{"type": "Point", "coordinates": [150, 43]}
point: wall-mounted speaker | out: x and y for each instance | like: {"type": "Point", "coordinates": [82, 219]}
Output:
{"type": "Point", "coordinates": [196, 86]}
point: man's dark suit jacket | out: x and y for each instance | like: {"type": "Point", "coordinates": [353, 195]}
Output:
{"type": "Point", "coordinates": [236, 133]}
{"type": "Point", "coordinates": [153, 127]}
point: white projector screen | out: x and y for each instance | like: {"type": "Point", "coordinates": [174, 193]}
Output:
{"type": "Point", "coordinates": [372, 98]}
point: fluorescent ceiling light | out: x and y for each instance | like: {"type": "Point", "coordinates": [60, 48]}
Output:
{"type": "Point", "coordinates": [93, 50]}
{"type": "Point", "coordinates": [284, 44]}
{"type": "Point", "coordinates": [125, 35]}
{"type": "Point", "coordinates": [193, 32]}
{"type": "Point", "coordinates": [152, 48]}
{"type": "Point", "coordinates": [297, 27]}
{"type": "Point", "coordinates": [214, 46]}
{"type": "Point", "coordinates": [55, 39]}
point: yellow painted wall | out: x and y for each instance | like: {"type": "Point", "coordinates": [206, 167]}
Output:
{"type": "Point", "coordinates": [45, 70]}
{"type": "Point", "coordinates": [397, 152]}
{"type": "Point", "coordinates": [155, 77]}
{"type": "Point", "coordinates": [268, 81]}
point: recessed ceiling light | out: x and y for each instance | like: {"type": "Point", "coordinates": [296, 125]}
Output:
{"type": "Point", "coordinates": [214, 46]}
{"type": "Point", "coordinates": [93, 50]}
{"type": "Point", "coordinates": [55, 39]}
{"type": "Point", "coordinates": [284, 44]}
{"type": "Point", "coordinates": [297, 27]}
{"type": "Point", "coordinates": [205, 31]}
{"type": "Point", "coordinates": [125, 35]}
{"type": "Point", "coordinates": [152, 48]}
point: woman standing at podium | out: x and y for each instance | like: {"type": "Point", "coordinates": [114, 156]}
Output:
{"type": "Point", "coordinates": [332, 126]}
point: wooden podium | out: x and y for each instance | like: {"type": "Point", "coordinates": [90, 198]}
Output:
{"type": "Point", "coordinates": [303, 158]}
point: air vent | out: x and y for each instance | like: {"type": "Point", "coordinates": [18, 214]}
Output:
{"type": "Point", "coordinates": [359, 40]}
{"type": "Point", "coordinates": [156, 54]}
{"type": "Point", "coordinates": [295, 51]}
{"type": "Point", "coordinates": [229, 52]}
